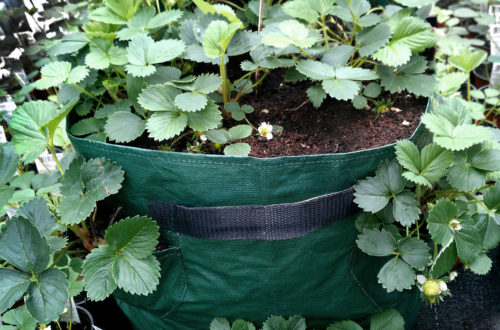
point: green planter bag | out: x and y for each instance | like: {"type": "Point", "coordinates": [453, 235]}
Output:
{"type": "Point", "coordinates": [250, 237]}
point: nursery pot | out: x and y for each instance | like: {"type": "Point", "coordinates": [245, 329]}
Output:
{"type": "Point", "coordinates": [252, 237]}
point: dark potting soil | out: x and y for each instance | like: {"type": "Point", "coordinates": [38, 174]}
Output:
{"type": "Point", "coordinates": [336, 127]}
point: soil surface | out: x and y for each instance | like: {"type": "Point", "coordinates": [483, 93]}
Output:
{"type": "Point", "coordinates": [335, 127]}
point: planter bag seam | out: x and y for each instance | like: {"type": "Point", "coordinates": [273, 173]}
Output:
{"type": "Point", "coordinates": [182, 294]}
{"type": "Point", "coordinates": [253, 222]}
{"type": "Point", "coordinates": [358, 283]}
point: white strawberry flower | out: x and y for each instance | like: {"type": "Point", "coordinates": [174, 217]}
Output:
{"type": "Point", "coordinates": [453, 275]}
{"type": "Point", "coordinates": [203, 138]}
{"type": "Point", "coordinates": [265, 130]}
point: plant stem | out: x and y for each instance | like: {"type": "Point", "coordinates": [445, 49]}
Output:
{"type": "Point", "coordinates": [158, 8]}
{"type": "Point", "coordinates": [63, 252]}
{"type": "Point", "coordinates": [92, 223]}
{"type": "Point", "coordinates": [468, 88]}
{"type": "Point", "coordinates": [54, 155]}
{"type": "Point", "coordinates": [118, 71]}
{"type": "Point", "coordinates": [180, 137]}
{"type": "Point", "coordinates": [488, 113]}
{"type": "Point", "coordinates": [304, 52]}
{"type": "Point", "coordinates": [249, 123]}
{"type": "Point", "coordinates": [224, 80]}
{"type": "Point", "coordinates": [85, 92]}
{"type": "Point", "coordinates": [325, 34]}
{"type": "Point", "coordinates": [435, 251]}
{"type": "Point", "coordinates": [254, 85]}
{"type": "Point", "coordinates": [231, 4]}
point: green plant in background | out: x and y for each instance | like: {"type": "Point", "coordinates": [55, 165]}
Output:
{"type": "Point", "coordinates": [434, 204]}
{"type": "Point", "coordinates": [358, 44]}
{"type": "Point", "coordinates": [388, 319]}
{"type": "Point", "coordinates": [40, 264]}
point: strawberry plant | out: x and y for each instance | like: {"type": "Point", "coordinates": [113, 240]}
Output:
{"type": "Point", "coordinates": [50, 247]}
{"type": "Point", "coordinates": [352, 51]}
{"type": "Point", "coordinates": [434, 204]}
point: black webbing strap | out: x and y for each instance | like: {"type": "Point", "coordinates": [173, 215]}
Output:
{"type": "Point", "coordinates": [250, 222]}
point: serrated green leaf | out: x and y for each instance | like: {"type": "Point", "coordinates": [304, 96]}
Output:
{"type": "Point", "coordinates": [468, 241]}
{"type": "Point", "coordinates": [344, 325]}
{"type": "Point", "coordinates": [464, 175]}
{"type": "Point", "coordinates": [22, 246]}
{"type": "Point", "coordinates": [451, 82]}
{"type": "Point", "coordinates": [424, 169]}
{"type": "Point", "coordinates": [371, 195]}
{"type": "Point", "coordinates": [19, 318]}
{"type": "Point", "coordinates": [242, 325]}
{"type": "Point", "coordinates": [316, 70]}
{"type": "Point", "coordinates": [191, 102]}
{"type": "Point", "coordinates": [489, 230]}
{"type": "Point", "coordinates": [308, 10]}
{"type": "Point", "coordinates": [124, 126]}
{"type": "Point", "coordinates": [26, 125]}
{"type": "Point", "coordinates": [482, 265]}
{"type": "Point", "coordinates": [77, 74]}
{"type": "Point", "coordinates": [217, 36]}
{"type": "Point", "coordinates": [136, 275]}
{"type": "Point", "coordinates": [127, 261]}
{"type": "Point", "coordinates": [8, 162]}
{"type": "Point", "coordinates": [372, 90]}
{"type": "Point", "coordinates": [143, 52]}
{"type": "Point", "coordinates": [338, 56]}
{"type": "Point", "coordinates": [372, 39]}
{"type": "Point", "coordinates": [388, 319]}
{"type": "Point", "coordinates": [342, 89]}
{"type": "Point", "coordinates": [376, 242]}
{"type": "Point", "coordinates": [291, 33]}
{"type": "Point", "coordinates": [279, 323]}
{"type": "Point", "coordinates": [38, 214]}
{"type": "Point", "coordinates": [97, 273]}
{"type": "Point", "coordinates": [68, 44]}
{"type": "Point", "coordinates": [359, 102]}
{"type": "Point", "coordinates": [165, 125]}
{"type": "Point", "coordinates": [87, 126]}
{"type": "Point", "coordinates": [13, 285]}
{"type": "Point", "coordinates": [206, 119]}
{"type": "Point", "coordinates": [243, 42]}
{"type": "Point", "coordinates": [237, 149]}
{"type": "Point", "coordinates": [158, 98]}
{"type": "Point", "coordinates": [396, 275]}
{"type": "Point", "coordinates": [48, 295]}
{"type": "Point", "coordinates": [103, 53]}
{"type": "Point", "coordinates": [396, 82]}
{"type": "Point", "coordinates": [438, 221]}
{"type": "Point", "coordinates": [207, 83]}
{"type": "Point", "coordinates": [240, 132]}
{"type": "Point", "coordinates": [220, 324]}
{"type": "Point", "coordinates": [135, 236]}
{"type": "Point", "coordinates": [446, 259]}
{"type": "Point", "coordinates": [53, 74]}
{"type": "Point", "coordinates": [409, 34]}
{"type": "Point", "coordinates": [467, 60]}
{"type": "Point", "coordinates": [220, 136]}
{"type": "Point", "coordinates": [83, 184]}
{"type": "Point", "coordinates": [415, 252]}
{"type": "Point", "coordinates": [405, 208]}
{"type": "Point", "coordinates": [451, 136]}
{"type": "Point", "coordinates": [316, 94]}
